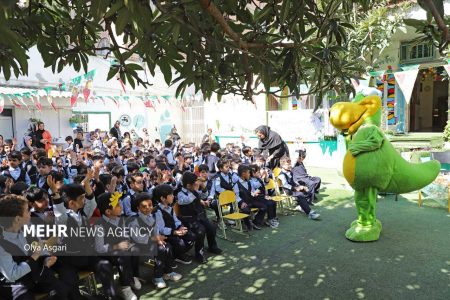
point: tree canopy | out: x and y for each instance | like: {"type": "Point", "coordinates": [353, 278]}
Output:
{"type": "Point", "coordinates": [218, 46]}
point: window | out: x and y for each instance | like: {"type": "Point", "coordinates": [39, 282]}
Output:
{"type": "Point", "coordinates": [413, 52]}
{"type": "Point", "coordinates": [104, 42]}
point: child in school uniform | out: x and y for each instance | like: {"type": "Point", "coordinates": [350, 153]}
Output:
{"type": "Point", "coordinates": [39, 206]}
{"type": "Point", "coordinates": [178, 236]}
{"type": "Point", "coordinates": [300, 192]}
{"type": "Point", "coordinates": [152, 245]}
{"type": "Point", "coordinates": [14, 170]}
{"type": "Point", "coordinates": [28, 166]}
{"type": "Point", "coordinates": [135, 182]}
{"type": "Point", "coordinates": [116, 248]}
{"type": "Point", "coordinates": [223, 181]}
{"type": "Point", "coordinates": [246, 197]}
{"type": "Point", "coordinates": [259, 184]}
{"type": "Point", "coordinates": [247, 157]}
{"type": "Point", "coordinates": [193, 211]}
{"type": "Point", "coordinates": [73, 205]}
{"type": "Point", "coordinates": [301, 174]}
{"type": "Point", "coordinates": [24, 272]}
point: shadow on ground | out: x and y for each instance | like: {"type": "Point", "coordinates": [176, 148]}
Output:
{"type": "Point", "coordinates": [304, 259]}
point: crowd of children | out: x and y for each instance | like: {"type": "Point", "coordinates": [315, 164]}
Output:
{"type": "Point", "coordinates": [98, 185]}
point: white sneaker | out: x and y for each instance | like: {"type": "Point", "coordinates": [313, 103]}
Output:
{"type": "Point", "coordinates": [298, 208]}
{"type": "Point", "coordinates": [159, 283]}
{"type": "Point", "coordinates": [127, 294]}
{"type": "Point", "coordinates": [313, 215]}
{"type": "Point", "coordinates": [273, 223]}
{"type": "Point", "coordinates": [173, 276]}
{"type": "Point", "coordinates": [136, 285]}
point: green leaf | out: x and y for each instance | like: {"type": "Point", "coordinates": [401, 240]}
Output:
{"type": "Point", "coordinates": [112, 71]}
{"type": "Point", "coordinates": [175, 33]}
{"type": "Point", "coordinates": [415, 23]}
{"type": "Point", "coordinates": [130, 80]}
{"type": "Point", "coordinates": [285, 7]}
{"type": "Point", "coordinates": [134, 67]}
{"type": "Point", "coordinates": [114, 8]}
{"type": "Point", "coordinates": [262, 13]}
{"type": "Point", "coordinates": [164, 66]}
{"type": "Point", "coordinates": [122, 20]}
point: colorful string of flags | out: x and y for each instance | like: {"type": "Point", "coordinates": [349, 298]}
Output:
{"type": "Point", "coordinates": [82, 86]}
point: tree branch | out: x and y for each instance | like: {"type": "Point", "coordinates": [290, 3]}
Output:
{"type": "Point", "coordinates": [440, 23]}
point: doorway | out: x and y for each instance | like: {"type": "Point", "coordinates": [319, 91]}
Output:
{"type": "Point", "coordinates": [429, 101]}
{"type": "Point", "coordinates": [6, 124]}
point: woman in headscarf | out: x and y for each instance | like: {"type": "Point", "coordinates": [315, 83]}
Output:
{"type": "Point", "coordinates": [42, 138]}
{"type": "Point", "coordinates": [174, 135]}
{"type": "Point", "coordinates": [273, 143]}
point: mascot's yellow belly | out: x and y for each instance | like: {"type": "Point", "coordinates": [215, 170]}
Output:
{"type": "Point", "coordinates": [349, 167]}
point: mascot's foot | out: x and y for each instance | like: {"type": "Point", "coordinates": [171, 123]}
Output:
{"type": "Point", "coordinates": [360, 233]}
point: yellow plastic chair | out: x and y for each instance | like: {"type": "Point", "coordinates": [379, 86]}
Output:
{"type": "Point", "coordinates": [270, 185]}
{"type": "Point", "coordinates": [229, 198]}
{"type": "Point", "coordinates": [280, 197]}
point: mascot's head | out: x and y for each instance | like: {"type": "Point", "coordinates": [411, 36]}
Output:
{"type": "Point", "coordinates": [365, 108]}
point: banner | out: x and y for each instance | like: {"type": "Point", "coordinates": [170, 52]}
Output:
{"type": "Point", "coordinates": [406, 81]}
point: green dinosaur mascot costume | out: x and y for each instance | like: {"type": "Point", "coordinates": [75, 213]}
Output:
{"type": "Point", "coordinates": [371, 163]}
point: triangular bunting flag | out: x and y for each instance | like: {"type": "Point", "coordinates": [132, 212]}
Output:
{"type": "Point", "coordinates": [406, 81]}
{"type": "Point", "coordinates": [74, 97]}
{"type": "Point", "coordinates": [122, 84]}
{"type": "Point", "coordinates": [87, 90]}
{"type": "Point", "coordinates": [447, 68]}
{"type": "Point", "coordinates": [166, 98]}
{"type": "Point", "coordinates": [2, 103]}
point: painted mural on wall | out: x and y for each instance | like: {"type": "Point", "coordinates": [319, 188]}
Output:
{"type": "Point", "coordinates": [390, 99]}
{"type": "Point", "coordinates": [165, 125]}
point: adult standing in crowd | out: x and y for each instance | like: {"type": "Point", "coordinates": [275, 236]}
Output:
{"type": "Point", "coordinates": [272, 142]}
{"type": "Point", "coordinates": [208, 137]}
{"type": "Point", "coordinates": [115, 132]}
{"type": "Point", "coordinates": [174, 136]}
{"type": "Point", "coordinates": [42, 138]}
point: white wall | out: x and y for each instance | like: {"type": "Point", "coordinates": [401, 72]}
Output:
{"type": "Point", "coordinates": [166, 115]}
{"type": "Point", "coordinates": [234, 116]}
{"type": "Point", "coordinates": [56, 122]}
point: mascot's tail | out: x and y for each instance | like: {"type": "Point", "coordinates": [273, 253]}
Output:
{"type": "Point", "coordinates": [411, 176]}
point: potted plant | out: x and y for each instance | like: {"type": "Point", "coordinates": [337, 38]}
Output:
{"type": "Point", "coordinates": [75, 120]}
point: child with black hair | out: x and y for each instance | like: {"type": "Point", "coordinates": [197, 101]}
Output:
{"type": "Point", "coordinates": [300, 192]}
{"type": "Point", "coordinates": [169, 154]}
{"type": "Point", "coordinates": [235, 162]}
{"type": "Point", "coordinates": [193, 211]}
{"type": "Point", "coordinates": [28, 166]}
{"type": "Point", "coordinates": [73, 205]}
{"type": "Point", "coordinates": [223, 181]}
{"type": "Point", "coordinates": [22, 272]}
{"type": "Point", "coordinates": [132, 167]}
{"type": "Point", "coordinates": [178, 236]}
{"type": "Point", "coordinates": [211, 159]}
{"type": "Point", "coordinates": [119, 172]}
{"type": "Point", "coordinates": [78, 141]}
{"type": "Point", "coordinates": [44, 166]}
{"type": "Point", "coordinates": [135, 182]}
{"type": "Point", "coordinates": [300, 173]}
{"type": "Point", "coordinates": [247, 157]}
{"type": "Point", "coordinates": [154, 244]}
{"type": "Point", "coordinates": [246, 198]}
{"type": "Point", "coordinates": [259, 184]}
{"type": "Point", "coordinates": [69, 143]}
{"type": "Point", "coordinates": [116, 248]}
{"type": "Point", "coordinates": [14, 170]}
{"type": "Point", "coordinates": [18, 188]}
{"type": "Point", "coordinates": [149, 163]}
{"type": "Point", "coordinates": [40, 211]}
